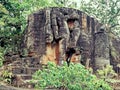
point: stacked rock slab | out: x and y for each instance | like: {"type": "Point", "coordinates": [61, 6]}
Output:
{"type": "Point", "coordinates": [22, 69]}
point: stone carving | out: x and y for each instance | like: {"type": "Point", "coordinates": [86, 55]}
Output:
{"type": "Point", "coordinates": [59, 34]}
{"type": "Point", "coordinates": [51, 32]}
{"type": "Point", "coordinates": [101, 49]}
{"type": "Point", "coordinates": [48, 29]}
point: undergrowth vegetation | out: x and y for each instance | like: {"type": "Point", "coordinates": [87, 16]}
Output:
{"type": "Point", "coordinates": [1, 56]}
{"type": "Point", "coordinates": [106, 73]}
{"type": "Point", "coordinates": [74, 77]}
{"type": "Point", "coordinates": [5, 76]}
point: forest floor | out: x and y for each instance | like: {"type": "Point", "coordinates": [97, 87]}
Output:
{"type": "Point", "coordinates": [115, 83]}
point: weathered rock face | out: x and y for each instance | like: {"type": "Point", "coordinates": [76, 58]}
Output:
{"type": "Point", "coordinates": [115, 53]}
{"type": "Point", "coordinates": [102, 57]}
{"type": "Point", "coordinates": [52, 31]}
{"type": "Point", "coordinates": [58, 34]}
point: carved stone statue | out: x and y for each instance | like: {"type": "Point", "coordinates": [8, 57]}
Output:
{"type": "Point", "coordinates": [53, 32]}
{"type": "Point", "coordinates": [62, 34]}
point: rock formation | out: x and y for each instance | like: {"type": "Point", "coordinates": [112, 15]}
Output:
{"type": "Point", "coordinates": [51, 32]}
{"type": "Point", "coordinates": [62, 34]}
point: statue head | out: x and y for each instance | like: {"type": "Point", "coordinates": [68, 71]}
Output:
{"type": "Point", "coordinates": [74, 15]}
{"type": "Point", "coordinates": [102, 28]}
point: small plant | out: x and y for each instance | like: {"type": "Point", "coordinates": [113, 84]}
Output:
{"type": "Point", "coordinates": [106, 73]}
{"type": "Point", "coordinates": [6, 76]}
{"type": "Point", "coordinates": [74, 77]}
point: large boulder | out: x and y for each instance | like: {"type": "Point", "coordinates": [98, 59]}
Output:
{"type": "Point", "coordinates": [59, 34]}
{"type": "Point", "coordinates": [51, 32]}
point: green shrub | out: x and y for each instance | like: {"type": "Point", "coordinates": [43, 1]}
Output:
{"type": "Point", "coordinates": [106, 73]}
{"type": "Point", "coordinates": [74, 77]}
{"type": "Point", "coordinates": [5, 76]}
